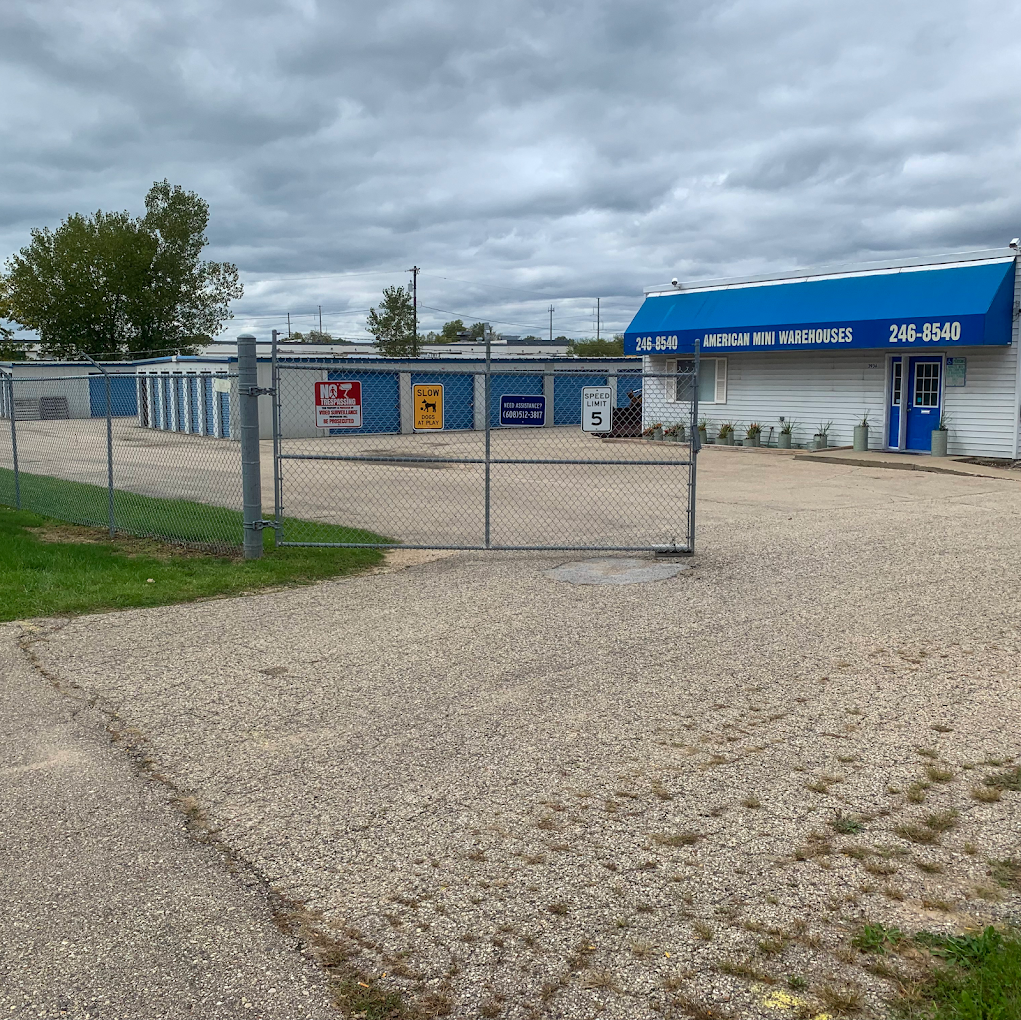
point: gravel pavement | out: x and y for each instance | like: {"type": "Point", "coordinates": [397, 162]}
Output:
{"type": "Point", "coordinates": [507, 795]}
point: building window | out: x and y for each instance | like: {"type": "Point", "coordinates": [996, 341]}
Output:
{"type": "Point", "coordinates": [712, 383]}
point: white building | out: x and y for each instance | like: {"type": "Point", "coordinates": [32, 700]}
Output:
{"type": "Point", "coordinates": [906, 343]}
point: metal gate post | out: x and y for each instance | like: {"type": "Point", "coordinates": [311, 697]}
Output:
{"type": "Point", "coordinates": [14, 443]}
{"type": "Point", "coordinates": [489, 369]}
{"type": "Point", "coordinates": [110, 520]}
{"type": "Point", "coordinates": [695, 444]}
{"type": "Point", "coordinates": [251, 481]}
{"type": "Point", "coordinates": [278, 482]}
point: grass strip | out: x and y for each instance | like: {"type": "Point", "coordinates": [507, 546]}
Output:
{"type": "Point", "coordinates": [175, 520]}
{"type": "Point", "coordinates": [50, 568]}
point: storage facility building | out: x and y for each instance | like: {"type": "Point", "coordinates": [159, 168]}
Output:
{"type": "Point", "coordinates": [905, 343]}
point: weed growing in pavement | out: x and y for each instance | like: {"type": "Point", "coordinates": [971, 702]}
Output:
{"type": "Point", "coordinates": [703, 931]}
{"type": "Point", "coordinates": [941, 728]}
{"type": "Point", "coordinates": [559, 908]}
{"type": "Point", "coordinates": [892, 893]}
{"type": "Point", "coordinates": [929, 867]}
{"type": "Point", "coordinates": [986, 794]}
{"type": "Point", "coordinates": [846, 825]}
{"type": "Point", "coordinates": [841, 997]}
{"type": "Point", "coordinates": [751, 802]}
{"type": "Point", "coordinates": [916, 791]}
{"type": "Point", "coordinates": [796, 983]}
{"type": "Point", "coordinates": [942, 821]}
{"type": "Point", "coordinates": [937, 905]}
{"type": "Point", "coordinates": [1009, 780]}
{"type": "Point", "coordinates": [875, 938]}
{"type": "Point", "coordinates": [1007, 873]}
{"type": "Point", "coordinates": [927, 752]}
{"type": "Point", "coordinates": [939, 774]}
{"type": "Point", "coordinates": [881, 868]}
{"type": "Point", "coordinates": [676, 838]}
{"type": "Point", "coordinates": [745, 969]}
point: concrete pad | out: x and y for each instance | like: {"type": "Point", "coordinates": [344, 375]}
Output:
{"type": "Point", "coordinates": [617, 570]}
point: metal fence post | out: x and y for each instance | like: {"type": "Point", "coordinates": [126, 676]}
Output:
{"type": "Point", "coordinates": [489, 370]}
{"type": "Point", "coordinates": [278, 482]}
{"type": "Point", "coordinates": [110, 518]}
{"type": "Point", "coordinates": [695, 445]}
{"type": "Point", "coordinates": [251, 479]}
{"type": "Point", "coordinates": [14, 442]}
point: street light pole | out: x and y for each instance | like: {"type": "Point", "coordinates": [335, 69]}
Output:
{"type": "Point", "coordinates": [414, 270]}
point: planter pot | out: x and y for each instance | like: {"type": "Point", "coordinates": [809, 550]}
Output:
{"type": "Point", "coordinates": [819, 441]}
{"type": "Point", "coordinates": [657, 433]}
{"type": "Point", "coordinates": [861, 437]}
{"type": "Point", "coordinates": [784, 441]}
{"type": "Point", "coordinates": [939, 442]}
{"type": "Point", "coordinates": [702, 437]}
{"type": "Point", "coordinates": [752, 441]}
{"type": "Point", "coordinates": [726, 440]}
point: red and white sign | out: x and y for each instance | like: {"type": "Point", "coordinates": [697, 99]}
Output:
{"type": "Point", "coordinates": [338, 405]}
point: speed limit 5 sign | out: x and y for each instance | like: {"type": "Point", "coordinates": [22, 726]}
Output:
{"type": "Point", "coordinates": [596, 408]}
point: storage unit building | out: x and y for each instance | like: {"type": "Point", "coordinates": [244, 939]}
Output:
{"type": "Point", "coordinates": [48, 390]}
{"type": "Point", "coordinates": [906, 343]}
{"type": "Point", "coordinates": [198, 395]}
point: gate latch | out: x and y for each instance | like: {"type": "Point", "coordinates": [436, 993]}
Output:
{"type": "Point", "coordinates": [258, 391]}
{"type": "Point", "coordinates": [259, 525]}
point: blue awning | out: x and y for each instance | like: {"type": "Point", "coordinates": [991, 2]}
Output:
{"type": "Point", "coordinates": [946, 306]}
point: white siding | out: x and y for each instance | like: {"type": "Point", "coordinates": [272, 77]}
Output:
{"type": "Point", "coordinates": [983, 412]}
{"type": "Point", "coordinates": [811, 387]}
{"type": "Point", "coordinates": [815, 387]}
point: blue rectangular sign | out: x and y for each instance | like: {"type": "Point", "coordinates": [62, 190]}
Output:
{"type": "Point", "coordinates": [962, 330]}
{"type": "Point", "coordinates": [522, 410]}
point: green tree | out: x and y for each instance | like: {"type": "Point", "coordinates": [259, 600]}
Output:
{"type": "Point", "coordinates": [393, 325]}
{"type": "Point", "coordinates": [109, 284]}
{"type": "Point", "coordinates": [313, 336]}
{"type": "Point", "coordinates": [600, 348]}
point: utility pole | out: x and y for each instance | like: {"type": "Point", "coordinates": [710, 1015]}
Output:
{"type": "Point", "coordinates": [414, 270]}
{"type": "Point", "coordinates": [597, 320]}
{"type": "Point", "coordinates": [320, 320]}
{"type": "Point", "coordinates": [288, 325]}
{"type": "Point", "coordinates": [551, 310]}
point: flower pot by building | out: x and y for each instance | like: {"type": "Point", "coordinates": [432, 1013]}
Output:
{"type": "Point", "coordinates": [939, 442]}
{"type": "Point", "coordinates": [861, 437]}
{"type": "Point", "coordinates": [784, 441]}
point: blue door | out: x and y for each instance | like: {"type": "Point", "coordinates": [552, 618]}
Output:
{"type": "Point", "coordinates": [522, 385]}
{"type": "Point", "coordinates": [207, 404]}
{"type": "Point", "coordinates": [925, 385]}
{"type": "Point", "coordinates": [896, 385]}
{"type": "Point", "coordinates": [381, 402]}
{"type": "Point", "coordinates": [458, 397]}
{"type": "Point", "coordinates": [123, 396]}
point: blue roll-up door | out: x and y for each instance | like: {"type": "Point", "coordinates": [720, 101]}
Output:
{"type": "Point", "coordinates": [123, 396]}
{"type": "Point", "coordinates": [166, 421]}
{"type": "Point", "coordinates": [225, 412]}
{"type": "Point", "coordinates": [192, 383]}
{"type": "Point", "coordinates": [525, 385]}
{"type": "Point", "coordinates": [207, 405]}
{"type": "Point", "coordinates": [381, 401]}
{"type": "Point", "coordinates": [179, 401]}
{"type": "Point", "coordinates": [458, 397]}
{"type": "Point", "coordinates": [567, 396]}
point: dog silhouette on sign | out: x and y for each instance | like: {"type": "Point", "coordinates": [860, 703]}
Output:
{"type": "Point", "coordinates": [426, 406]}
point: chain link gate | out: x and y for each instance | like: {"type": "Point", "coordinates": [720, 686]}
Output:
{"type": "Point", "coordinates": [485, 455]}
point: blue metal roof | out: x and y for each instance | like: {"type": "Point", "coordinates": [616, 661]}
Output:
{"type": "Point", "coordinates": [955, 306]}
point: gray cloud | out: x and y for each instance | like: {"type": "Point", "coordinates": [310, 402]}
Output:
{"type": "Point", "coordinates": [522, 153]}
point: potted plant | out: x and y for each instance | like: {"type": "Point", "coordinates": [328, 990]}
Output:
{"type": "Point", "coordinates": [725, 437]}
{"type": "Point", "coordinates": [939, 436]}
{"type": "Point", "coordinates": [704, 425]}
{"type": "Point", "coordinates": [752, 434]}
{"type": "Point", "coordinates": [654, 431]}
{"type": "Point", "coordinates": [861, 433]}
{"type": "Point", "coordinates": [675, 433]}
{"type": "Point", "coordinates": [787, 427]}
{"type": "Point", "coordinates": [822, 438]}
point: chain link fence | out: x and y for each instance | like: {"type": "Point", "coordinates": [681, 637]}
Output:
{"type": "Point", "coordinates": [71, 448]}
{"type": "Point", "coordinates": [486, 456]}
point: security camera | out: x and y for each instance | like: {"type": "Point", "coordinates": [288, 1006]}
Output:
{"type": "Point", "coordinates": [673, 282]}
{"type": "Point", "coordinates": [1014, 242]}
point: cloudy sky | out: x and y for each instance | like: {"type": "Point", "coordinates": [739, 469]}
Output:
{"type": "Point", "coordinates": [522, 153]}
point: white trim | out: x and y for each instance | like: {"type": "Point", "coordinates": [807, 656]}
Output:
{"type": "Point", "coordinates": [990, 256]}
{"type": "Point", "coordinates": [720, 370]}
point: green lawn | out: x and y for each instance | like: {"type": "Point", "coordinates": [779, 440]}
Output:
{"type": "Point", "coordinates": [62, 570]}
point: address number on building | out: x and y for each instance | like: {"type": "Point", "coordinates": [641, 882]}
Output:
{"type": "Point", "coordinates": [596, 408]}
{"type": "Point", "coordinates": [655, 343]}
